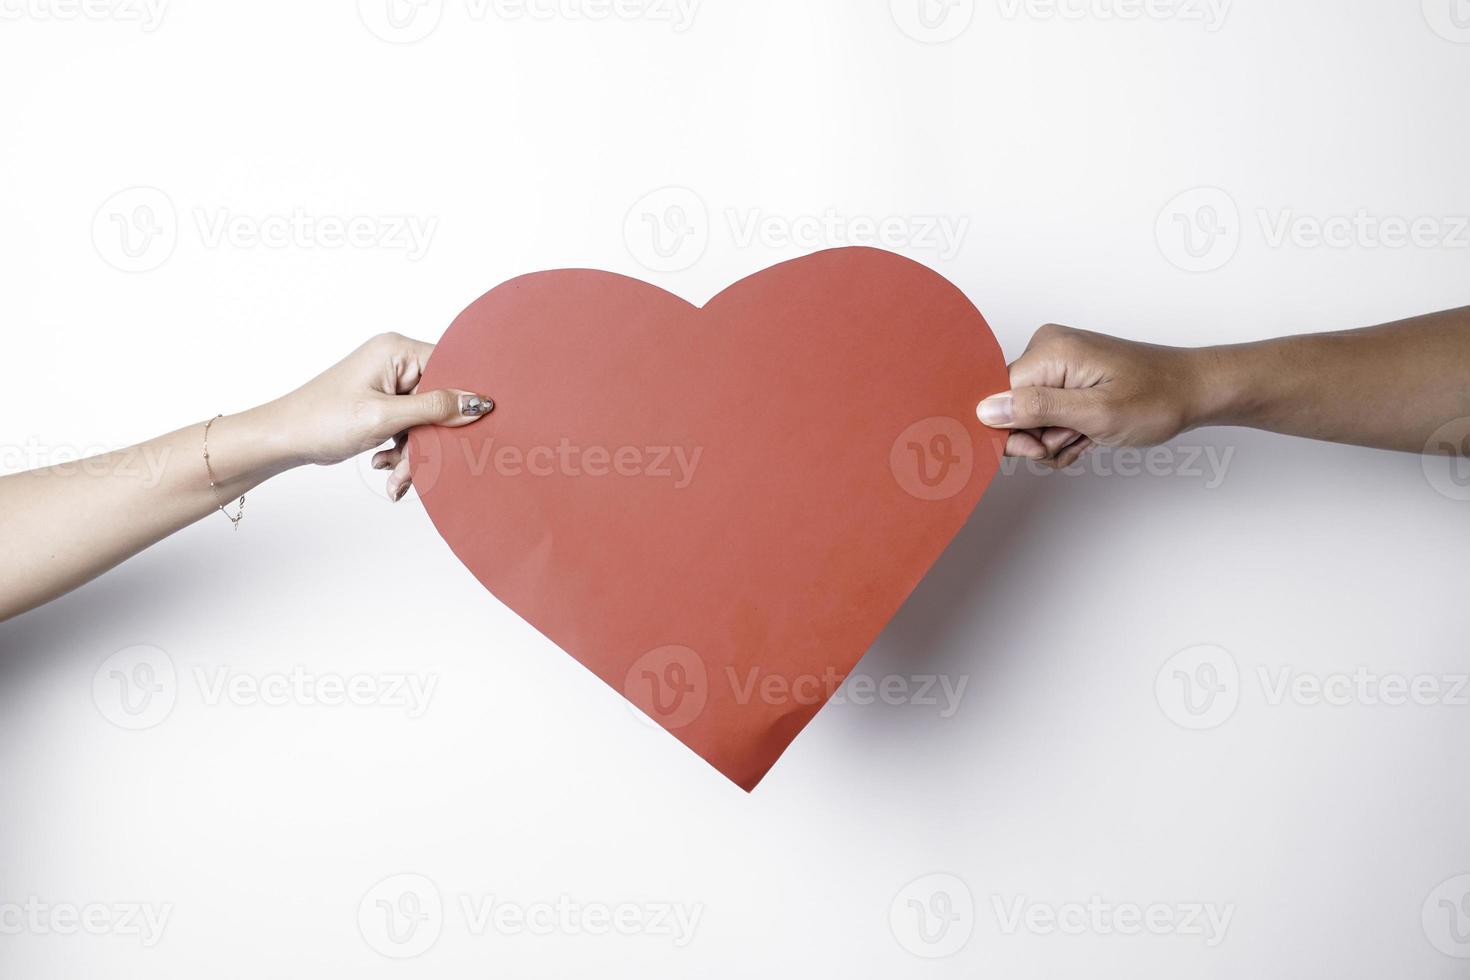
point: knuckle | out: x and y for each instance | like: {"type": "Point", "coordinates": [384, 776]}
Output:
{"type": "Point", "coordinates": [1064, 343]}
{"type": "Point", "coordinates": [367, 419]}
{"type": "Point", "coordinates": [1051, 334]}
{"type": "Point", "coordinates": [1034, 404]}
{"type": "Point", "coordinates": [368, 415]}
{"type": "Point", "coordinates": [1106, 413]}
{"type": "Point", "coordinates": [443, 403]}
{"type": "Point", "coordinates": [365, 411]}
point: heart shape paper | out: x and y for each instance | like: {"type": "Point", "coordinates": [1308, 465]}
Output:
{"type": "Point", "coordinates": [716, 510]}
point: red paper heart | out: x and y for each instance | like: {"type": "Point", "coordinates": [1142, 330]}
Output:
{"type": "Point", "coordinates": [715, 510]}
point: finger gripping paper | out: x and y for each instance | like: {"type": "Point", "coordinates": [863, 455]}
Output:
{"type": "Point", "coordinates": [715, 510]}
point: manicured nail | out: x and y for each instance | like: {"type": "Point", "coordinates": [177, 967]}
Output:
{"type": "Point", "coordinates": [475, 405]}
{"type": "Point", "coordinates": [398, 494]}
{"type": "Point", "coordinates": [996, 410]}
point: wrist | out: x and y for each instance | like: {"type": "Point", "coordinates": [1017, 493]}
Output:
{"type": "Point", "coordinates": [1221, 387]}
{"type": "Point", "coordinates": [249, 447]}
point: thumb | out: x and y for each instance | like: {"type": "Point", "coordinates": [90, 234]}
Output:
{"type": "Point", "coordinates": [445, 406]}
{"type": "Point", "coordinates": [1039, 408]}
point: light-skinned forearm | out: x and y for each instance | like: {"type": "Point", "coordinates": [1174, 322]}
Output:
{"type": "Point", "coordinates": [100, 511]}
{"type": "Point", "coordinates": [66, 524]}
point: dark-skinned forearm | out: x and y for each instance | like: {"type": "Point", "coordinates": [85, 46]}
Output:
{"type": "Point", "coordinates": [1390, 386]}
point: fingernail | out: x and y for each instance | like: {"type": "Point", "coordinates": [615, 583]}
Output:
{"type": "Point", "coordinates": [996, 410]}
{"type": "Point", "coordinates": [381, 464]}
{"type": "Point", "coordinates": [399, 494]}
{"type": "Point", "coordinates": [475, 405]}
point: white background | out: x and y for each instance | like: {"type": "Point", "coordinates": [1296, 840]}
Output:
{"type": "Point", "coordinates": [1332, 835]}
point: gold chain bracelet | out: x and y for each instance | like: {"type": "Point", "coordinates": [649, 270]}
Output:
{"type": "Point", "coordinates": [209, 471]}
